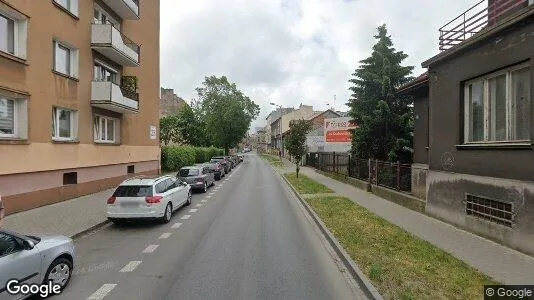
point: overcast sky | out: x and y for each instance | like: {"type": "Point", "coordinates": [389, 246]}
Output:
{"type": "Point", "coordinates": [291, 51]}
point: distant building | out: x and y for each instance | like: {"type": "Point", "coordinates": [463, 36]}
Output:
{"type": "Point", "coordinates": [170, 103]}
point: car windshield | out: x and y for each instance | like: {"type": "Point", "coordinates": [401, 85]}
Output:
{"type": "Point", "coordinates": [188, 172]}
{"type": "Point", "coordinates": [133, 191]}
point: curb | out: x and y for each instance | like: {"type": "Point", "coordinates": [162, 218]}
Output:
{"type": "Point", "coordinates": [92, 228]}
{"type": "Point", "coordinates": [367, 287]}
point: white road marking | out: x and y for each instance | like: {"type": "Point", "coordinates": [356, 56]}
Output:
{"type": "Point", "coordinates": [176, 225]}
{"type": "Point", "coordinates": [207, 197]}
{"type": "Point", "coordinates": [212, 193]}
{"type": "Point", "coordinates": [102, 291]}
{"type": "Point", "coordinates": [199, 205]}
{"type": "Point", "coordinates": [165, 235]}
{"type": "Point", "coordinates": [130, 266]}
{"type": "Point", "coordinates": [192, 210]}
{"type": "Point", "coordinates": [204, 201]}
{"type": "Point", "coordinates": [150, 248]}
{"type": "Point", "coordinates": [185, 217]}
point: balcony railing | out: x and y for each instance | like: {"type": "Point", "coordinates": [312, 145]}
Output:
{"type": "Point", "coordinates": [126, 9]}
{"type": "Point", "coordinates": [484, 13]}
{"type": "Point", "coordinates": [110, 42]}
{"type": "Point", "coordinates": [111, 96]}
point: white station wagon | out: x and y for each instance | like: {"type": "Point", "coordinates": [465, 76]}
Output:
{"type": "Point", "coordinates": [146, 197]}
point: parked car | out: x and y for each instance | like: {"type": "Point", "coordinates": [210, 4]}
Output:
{"type": "Point", "coordinates": [236, 159]}
{"type": "Point", "coordinates": [217, 168]}
{"type": "Point", "coordinates": [198, 177]}
{"type": "Point", "coordinates": [146, 197]}
{"type": "Point", "coordinates": [240, 158]}
{"type": "Point", "coordinates": [34, 260]}
{"type": "Point", "coordinates": [231, 160]}
{"type": "Point", "coordinates": [226, 163]}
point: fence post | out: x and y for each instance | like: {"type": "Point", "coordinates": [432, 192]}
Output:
{"type": "Point", "coordinates": [370, 169]}
{"type": "Point", "coordinates": [348, 170]}
{"type": "Point", "coordinates": [376, 171]}
{"type": "Point", "coordinates": [398, 175]}
{"type": "Point", "coordinates": [334, 161]}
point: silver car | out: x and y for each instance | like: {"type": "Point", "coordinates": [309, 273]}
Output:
{"type": "Point", "coordinates": [34, 260]}
{"type": "Point", "coordinates": [198, 177]}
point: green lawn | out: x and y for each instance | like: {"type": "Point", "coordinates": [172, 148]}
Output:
{"type": "Point", "coordinates": [273, 160]}
{"type": "Point", "coordinates": [400, 265]}
{"type": "Point", "coordinates": [305, 185]}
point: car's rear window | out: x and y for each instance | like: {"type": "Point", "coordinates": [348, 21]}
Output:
{"type": "Point", "coordinates": [188, 172]}
{"type": "Point", "coordinates": [133, 191]}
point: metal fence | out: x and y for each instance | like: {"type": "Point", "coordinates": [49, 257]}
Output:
{"type": "Point", "coordinates": [391, 175]}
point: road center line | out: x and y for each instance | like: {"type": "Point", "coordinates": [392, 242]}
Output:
{"type": "Point", "coordinates": [150, 248]}
{"type": "Point", "coordinates": [185, 217]}
{"type": "Point", "coordinates": [204, 201]}
{"type": "Point", "coordinates": [176, 225]}
{"type": "Point", "coordinates": [199, 205]}
{"type": "Point", "coordinates": [130, 266]}
{"type": "Point", "coordinates": [207, 197]}
{"type": "Point", "coordinates": [102, 291]}
{"type": "Point", "coordinates": [192, 210]}
{"type": "Point", "coordinates": [165, 235]}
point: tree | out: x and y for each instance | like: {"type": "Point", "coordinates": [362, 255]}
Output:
{"type": "Point", "coordinates": [225, 111]}
{"type": "Point", "coordinates": [191, 127]}
{"type": "Point", "coordinates": [385, 119]}
{"type": "Point", "coordinates": [295, 142]}
{"type": "Point", "coordinates": [168, 129]}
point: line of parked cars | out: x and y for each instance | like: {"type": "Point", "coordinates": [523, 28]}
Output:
{"type": "Point", "coordinates": [29, 260]}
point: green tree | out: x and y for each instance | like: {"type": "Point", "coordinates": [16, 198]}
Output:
{"type": "Point", "coordinates": [295, 142]}
{"type": "Point", "coordinates": [385, 119]}
{"type": "Point", "coordinates": [225, 111]}
{"type": "Point", "coordinates": [168, 129]}
{"type": "Point", "coordinates": [191, 128]}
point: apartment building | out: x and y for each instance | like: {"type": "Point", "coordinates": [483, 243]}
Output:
{"type": "Point", "coordinates": [79, 97]}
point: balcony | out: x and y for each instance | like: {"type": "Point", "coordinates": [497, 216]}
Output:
{"type": "Point", "coordinates": [126, 9]}
{"type": "Point", "coordinates": [484, 14]}
{"type": "Point", "coordinates": [110, 96]}
{"type": "Point", "coordinates": [110, 42]}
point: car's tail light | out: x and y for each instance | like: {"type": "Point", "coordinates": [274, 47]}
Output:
{"type": "Point", "coordinates": [199, 180]}
{"type": "Point", "coordinates": [153, 199]}
{"type": "Point", "coordinates": [111, 200]}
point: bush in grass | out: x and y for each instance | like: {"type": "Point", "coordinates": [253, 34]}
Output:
{"type": "Point", "coordinates": [175, 157]}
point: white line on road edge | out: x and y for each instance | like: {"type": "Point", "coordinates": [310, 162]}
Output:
{"type": "Point", "coordinates": [165, 235]}
{"type": "Point", "coordinates": [102, 291]}
{"type": "Point", "coordinates": [204, 201]}
{"type": "Point", "coordinates": [207, 197]}
{"type": "Point", "coordinates": [185, 217]}
{"type": "Point", "coordinates": [192, 210]}
{"type": "Point", "coordinates": [176, 225]}
{"type": "Point", "coordinates": [130, 266]}
{"type": "Point", "coordinates": [199, 205]}
{"type": "Point", "coordinates": [150, 248]}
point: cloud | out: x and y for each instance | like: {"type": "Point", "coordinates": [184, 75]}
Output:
{"type": "Point", "coordinates": [291, 51]}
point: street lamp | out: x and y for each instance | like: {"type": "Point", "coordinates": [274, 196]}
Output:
{"type": "Point", "coordinates": [279, 126]}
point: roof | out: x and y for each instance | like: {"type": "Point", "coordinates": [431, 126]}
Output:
{"type": "Point", "coordinates": [418, 82]}
{"type": "Point", "coordinates": [319, 113]}
{"type": "Point", "coordinates": [145, 180]}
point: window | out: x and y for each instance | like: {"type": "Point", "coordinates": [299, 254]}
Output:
{"type": "Point", "coordinates": [100, 16]}
{"type": "Point", "coordinates": [13, 118]}
{"type": "Point", "coordinates": [133, 191]}
{"type": "Point", "coordinates": [64, 124]}
{"type": "Point", "coordinates": [185, 172]}
{"type": "Point", "coordinates": [8, 244]}
{"type": "Point", "coordinates": [105, 73]}
{"type": "Point", "coordinates": [106, 129]}
{"type": "Point", "coordinates": [130, 169]}
{"type": "Point", "coordinates": [497, 107]}
{"type": "Point", "coordinates": [13, 32]}
{"type": "Point", "coordinates": [489, 209]}
{"type": "Point", "coordinates": [65, 59]}
{"type": "Point", "coordinates": [162, 187]}
{"type": "Point", "coordinates": [69, 5]}
{"type": "Point", "coordinates": [70, 178]}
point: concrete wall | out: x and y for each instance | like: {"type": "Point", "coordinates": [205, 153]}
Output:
{"type": "Point", "coordinates": [419, 178]}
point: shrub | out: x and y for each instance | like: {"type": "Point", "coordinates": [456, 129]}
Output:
{"type": "Point", "coordinates": [175, 157]}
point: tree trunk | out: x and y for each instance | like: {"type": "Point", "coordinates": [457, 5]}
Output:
{"type": "Point", "coordinates": [298, 168]}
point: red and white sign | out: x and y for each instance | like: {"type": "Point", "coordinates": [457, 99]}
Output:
{"type": "Point", "coordinates": [337, 130]}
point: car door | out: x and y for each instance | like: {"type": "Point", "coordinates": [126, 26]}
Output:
{"type": "Point", "coordinates": [173, 191]}
{"type": "Point", "coordinates": [17, 263]}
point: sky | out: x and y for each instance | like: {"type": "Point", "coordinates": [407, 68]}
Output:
{"type": "Point", "coordinates": [291, 51]}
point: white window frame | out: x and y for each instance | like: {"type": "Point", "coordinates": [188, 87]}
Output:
{"type": "Point", "coordinates": [106, 66]}
{"type": "Point", "coordinates": [20, 118]}
{"type": "Point", "coordinates": [111, 20]}
{"type": "Point", "coordinates": [73, 62]}
{"type": "Point", "coordinates": [487, 102]}
{"type": "Point", "coordinates": [98, 129]}
{"type": "Point", "coordinates": [72, 6]}
{"type": "Point", "coordinates": [20, 28]}
{"type": "Point", "coordinates": [73, 124]}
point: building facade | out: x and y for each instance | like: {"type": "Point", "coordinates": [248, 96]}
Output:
{"type": "Point", "coordinates": [480, 125]}
{"type": "Point", "coordinates": [170, 103]}
{"type": "Point", "coordinates": [79, 97]}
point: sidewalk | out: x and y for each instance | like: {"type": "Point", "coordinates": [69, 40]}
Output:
{"type": "Point", "coordinates": [503, 264]}
{"type": "Point", "coordinates": [66, 218]}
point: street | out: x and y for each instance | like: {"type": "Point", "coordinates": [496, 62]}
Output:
{"type": "Point", "coordinates": [246, 238]}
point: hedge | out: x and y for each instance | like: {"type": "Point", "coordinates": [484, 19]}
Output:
{"type": "Point", "coordinates": [175, 157]}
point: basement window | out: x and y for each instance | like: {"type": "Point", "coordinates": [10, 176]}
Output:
{"type": "Point", "coordinates": [489, 209]}
{"type": "Point", "coordinates": [131, 169]}
{"type": "Point", "coordinates": [70, 178]}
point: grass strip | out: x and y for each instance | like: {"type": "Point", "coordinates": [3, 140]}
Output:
{"type": "Point", "coordinates": [305, 185]}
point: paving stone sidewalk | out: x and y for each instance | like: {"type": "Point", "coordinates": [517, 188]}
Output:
{"type": "Point", "coordinates": [66, 218]}
{"type": "Point", "coordinates": [503, 264]}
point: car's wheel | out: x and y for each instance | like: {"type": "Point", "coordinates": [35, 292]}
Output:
{"type": "Point", "coordinates": [59, 272]}
{"type": "Point", "coordinates": [189, 199]}
{"type": "Point", "coordinates": [213, 182]}
{"type": "Point", "coordinates": [168, 214]}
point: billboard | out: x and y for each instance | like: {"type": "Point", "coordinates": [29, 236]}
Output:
{"type": "Point", "coordinates": [336, 130]}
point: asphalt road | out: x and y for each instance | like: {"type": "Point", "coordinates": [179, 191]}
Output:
{"type": "Point", "coordinates": [247, 238]}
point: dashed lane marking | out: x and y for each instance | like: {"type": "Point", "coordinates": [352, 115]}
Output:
{"type": "Point", "coordinates": [102, 291]}
{"type": "Point", "coordinates": [176, 225]}
{"type": "Point", "coordinates": [130, 266]}
{"type": "Point", "coordinates": [199, 205]}
{"type": "Point", "coordinates": [150, 248]}
{"type": "Point", "coordinates": [165, 235]}
{"type": "Point", "coordinates": [204, 201]}
{"type": "Point", "coordinates": [192, 210]}
{"type": "Point", "coordinates": [185, 217]}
